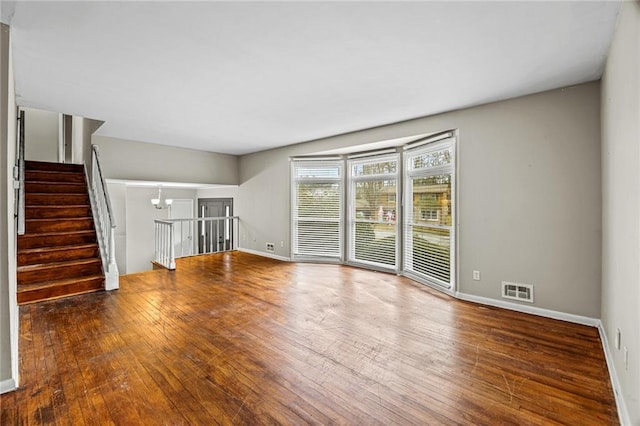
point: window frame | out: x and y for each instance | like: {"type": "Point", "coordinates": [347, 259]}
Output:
{"type": "Point", "coordinates": [332, 161]}
{"type": "Point", "coordinates": [350, 218]}
{"type": "Point", "coordinates": [409, 174]}
{"type": "Point", "coordinates": [404, 174]}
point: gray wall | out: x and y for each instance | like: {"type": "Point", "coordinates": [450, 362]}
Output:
{"type": "Point", "coordinates": [8, 312]}
{"type": "Point", "coordinates": [41, 135]}
{"type": "Point", "coordinates": [621, 201]}
{"type": "Point", "coordinates": [529, 194]}
{"type": "Point", "coordinates": [160, 163]}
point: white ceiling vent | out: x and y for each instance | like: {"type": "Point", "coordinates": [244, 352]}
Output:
{"type": "Point", "coordinates": [517, 291]}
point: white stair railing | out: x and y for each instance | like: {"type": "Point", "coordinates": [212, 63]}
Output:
{"type": "Point", "coordinates": [175, 238]}
{"type": "Point", "coordinates": [103, 217]}
{"type": "Point", "coordinates": [165, 251]}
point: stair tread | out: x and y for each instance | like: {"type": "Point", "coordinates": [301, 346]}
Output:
{"type": "Point", "coordinates": [56, 206]}
{"type": "Point", "coordinates": [70, 172]}
{"type": "Point", "coordinates": [58, 256]}
{"type": "Point", "coordinates": [56, 234]}
{"type": "Point", "coordinates": [56, 193]}
{"type": "Point", "coordinates": [85, 261]}
{"type": "Point", "coordinates": [37, 163]}
{"type": "Point", "coordinates": [56, 283]}
{"type": "Point", "coordinates": [57, 247]}
{"type": "Point", "coordinates": [58, 219]}
{"type": "Point", "coordinates": [44, 182]}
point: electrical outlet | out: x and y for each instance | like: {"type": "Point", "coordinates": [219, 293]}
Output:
{"type": "Point", "coordinates": [626, 358]}
{"type": "Point", "coordinates": [476, 275]}
{"type": "Point", "coordinates": [271, 247]}
{"type": "Point", "coordinates": [618, 338]}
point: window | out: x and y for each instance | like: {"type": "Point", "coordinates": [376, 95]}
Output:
{"type": "Point", "coordinates": [428, 197]}
{"type": "Point", "coordinates": [373, 229]}
{"type": "Point", "coordinates": [428, 217]}
{"type": "Point", "coordinates": [317, 194]}
{"type": "Point", "coordinates": [429, 214]}
{"type": "Point", "coordinates": [399, 213]}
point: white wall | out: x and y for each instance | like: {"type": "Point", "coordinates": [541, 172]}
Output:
{"type": "Point", "coordinates": [77, 139]}
{"type": "Point", "coordinates": [529, 191]}
{"type": "Point", "coordinates": [140, 237]}
{"type": "Point", "coordinates": [41, 135]}
{"type": "Point", "coordinates": [160, 163]}
{"type": "Point", "coordinates": [89, 126]}
{"type": "Point", "coordinates": [621, 202]}
{"type": "Point", "coordinates": [8, 310]}
{"type": "Point", "coordinates": [5, 210]}
{"type": "Point", "coordinates": [140, 161]}
{"type": "Point", "coordinates": [134, 216]}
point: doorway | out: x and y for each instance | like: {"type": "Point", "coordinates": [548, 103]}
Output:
{"type": "Point", "coordinates": [214, 236]}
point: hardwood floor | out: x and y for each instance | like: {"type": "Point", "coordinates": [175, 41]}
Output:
{"type": "Point", "coordinates": [239, 339]}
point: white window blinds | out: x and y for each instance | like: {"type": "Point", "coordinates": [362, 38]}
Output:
{"type": "Point", "coordinates": [317, 194]}
{"type": "Point", "coordinates": [429, 212]}
{"type": "Point", "coordinates": [373, 209]}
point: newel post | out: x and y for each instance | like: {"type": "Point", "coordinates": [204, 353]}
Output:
{"type": "Point", "coordinates": [112, 276]}
{"type": "Point", "coordinates": [172, 249]}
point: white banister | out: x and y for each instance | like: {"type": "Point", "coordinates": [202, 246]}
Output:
{"type": "Point", "coordinates": [105, 224]}
{"type": "Point", "coordinates": [174, 237]}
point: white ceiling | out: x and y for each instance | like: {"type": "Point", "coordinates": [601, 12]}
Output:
{"type": "Point", "coordinates": [243, 77]}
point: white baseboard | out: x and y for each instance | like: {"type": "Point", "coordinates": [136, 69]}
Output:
{"type": "Point", "coordinates": [578, 319]}
{"type": "Point", "coordinates": [623, 413]}
{"type": "Point", "coordinates": [548, 313]}
{"type": "Point", "coordinates": [7, 386]}
{"type": "Point", "coordinates": [263, 254]}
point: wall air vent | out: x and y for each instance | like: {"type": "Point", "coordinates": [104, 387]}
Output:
{"type": "Point", "coordinates": [517, 291]}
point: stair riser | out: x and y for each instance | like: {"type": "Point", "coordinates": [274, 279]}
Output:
{"type": "Point", "coordinates": [55, 167]}
{"type": "Point", "coordinates": [58, 225]}
{"type": "Point", "coordinates": [58, 272]}
{"type": "Point", "coordinates": [52, 188]}
{"type": "Point", "coordinates": [60, 255]}
{"type": "Point", "coordinates": [56, 199]}
{"type": "Point", "coordinates": [36, 241]}
{"type": "Point", "coordinates": [36, 295]}
{"type": "Point", "coordinates": [38, 176]}
{"type": "Point", "coordinates": [51, 212]}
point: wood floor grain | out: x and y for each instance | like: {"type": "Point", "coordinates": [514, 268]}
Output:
{"type": "Point", "coordinates": [234, 338]}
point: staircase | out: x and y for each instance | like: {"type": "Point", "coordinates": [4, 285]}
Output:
{"type": "Point", "coordinates": [58, 255]}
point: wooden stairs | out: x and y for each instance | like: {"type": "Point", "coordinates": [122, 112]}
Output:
{"type": "Point", "coordinates": [58, 255]}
